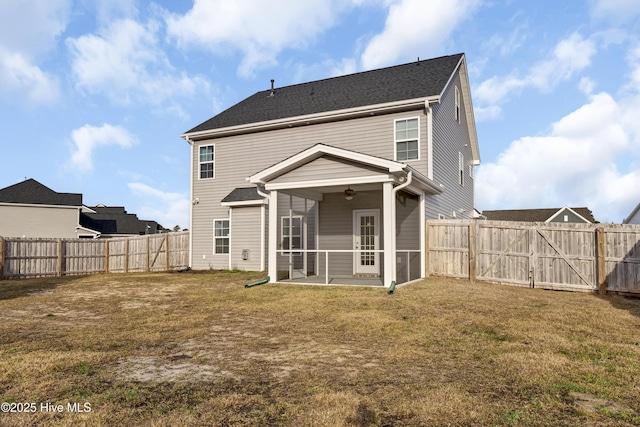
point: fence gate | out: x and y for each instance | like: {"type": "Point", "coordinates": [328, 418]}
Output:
{"type": "Point", "coordinates": [541, 256]}
{"type": "Point", "coordinates": [503, 253]}
{"type": "Point", "coordinates": [564, 258]}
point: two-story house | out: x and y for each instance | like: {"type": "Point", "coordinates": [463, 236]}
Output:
{"type": "Point", "coordinates": [331, 181]}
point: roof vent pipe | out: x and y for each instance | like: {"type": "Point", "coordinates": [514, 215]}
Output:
{"type": "Point", "coordinates": [272, 88]}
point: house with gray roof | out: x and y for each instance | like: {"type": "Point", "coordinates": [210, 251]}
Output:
{"type": "Point", "coordinates": [566, 214]}
{"type": "Point", "coordinates": [31, 209]}
{"type": "Point", "coordinates": [634, 216]}
{"type": "Point", "coordinates": [331, 181]}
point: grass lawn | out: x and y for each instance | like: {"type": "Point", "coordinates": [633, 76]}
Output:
{"type": "Point", "coordinates": [188, 349]}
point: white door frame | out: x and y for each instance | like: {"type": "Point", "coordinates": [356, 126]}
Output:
{"type": "Point", "coordinates": [357, 267]}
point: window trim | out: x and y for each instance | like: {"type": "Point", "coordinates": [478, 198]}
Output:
{"type": "Point", "coordinates": [395, 140]}
{"type": "Point", "coordinates": [471, 171]}
{"type": "Point", "coordinates": [457, 104]}
{"type": "Point", "coordinates": [227, 237]}
{"type": "Point", "coordinates": [213, 162]}
{"type": "Point", "coordinates": [282, 236]}
{"type": "Point", "coordinates": [461, 168]}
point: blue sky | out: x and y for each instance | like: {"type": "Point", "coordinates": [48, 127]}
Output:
{"type": "Point", "coordinates": [95, 93]}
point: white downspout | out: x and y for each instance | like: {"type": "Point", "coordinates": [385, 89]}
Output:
{"type": "Point", "coordinates": [393, 220]}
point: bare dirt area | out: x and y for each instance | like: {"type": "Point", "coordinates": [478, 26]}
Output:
{"type": "Point", "coordinates": [199, 349]}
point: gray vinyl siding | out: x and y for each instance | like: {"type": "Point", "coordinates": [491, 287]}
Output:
{"type": "Point", "coordinates": [32, 221]}
{"type": "Point", "coordinates": [571, 217]}
{"type": "Point", "coordinates": [327, 167]}
{"type": "Point", "coordinates": [450, 138]}
{"type": "Point", "coordinates": [407, 237]}
{"type": "Point", "coordinates": [245, 234]}
{"type": "Point", "coordinates": [238, 157]}
{"type": "Point", "coordinates": [336, 228]}
{"type": "Point", "coordinates": [407, 221]}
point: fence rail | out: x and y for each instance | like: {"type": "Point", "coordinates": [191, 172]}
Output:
{"type": "Point", "coordinates": [21, 258]}
{"type": "Point", "coordinates": [577, 257]}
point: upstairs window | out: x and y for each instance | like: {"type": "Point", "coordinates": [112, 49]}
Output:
{"type": "Point", "coordinates": [470, 171]}
{"type": "Point", "coordinates": [207, 161]}
{"type": "Point", "coordinates": [221, 236]}
{"type": "Point", "coordinates": [457, 106]}
{"type": "Point", "coordinates": [407, 139]}
{"type": "Point", "coordinates": [460, 168]}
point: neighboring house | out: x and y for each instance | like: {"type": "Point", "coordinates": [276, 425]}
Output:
{"type": "Point", "coordinates": [634, 216]}
{"type": "Point", "coordinates": [30, 209]}
{"type": "Point", "coordinates": [114, 221]}
{"type": "Point", "coordinates": [331, 181]}
{"type": "Point", "coordinates": [563, 214]}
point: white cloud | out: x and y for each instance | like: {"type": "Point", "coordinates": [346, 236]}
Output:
{"type": "Point", "coordinates": [29, 28]}
{"type": "Point", "coordinates": [125, 60]}
{"type": "Point", "coordinates": [575, 164]}
{"type": "Point", "coordinates": [18, 76]}
{"type": "Point", "coordinates": [570, 56]}
{"type": "Point", "coordinates": [258, 29]}
{"type": "Point", "coordinates": [617, 10]}
{"type": "Point", "coordinates": [169, 209]}
{"type": "Point", "coordinates": [88, 138]}
{"type": "Point", "coordinates": [416, 28]}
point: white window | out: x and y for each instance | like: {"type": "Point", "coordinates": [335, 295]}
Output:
{"type": "Point", "coordinates": [207, 161]}
{"type": "Point", "coordinates": [221, 236]}
{"type": "Point", "coordinates": [407, 139]}
{"type": "Point", "coordinates": [460, 168]}
{"type": "Point", "coordinates": [566, 218]}
{"type": "Point", "coordinates": [470, 171]}
{"type": "Point", "coordinates": [291, 232]}
{"type": "Point", "coordinates": [457, 107]}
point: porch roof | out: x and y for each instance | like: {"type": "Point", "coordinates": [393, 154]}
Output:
{"type": "Point", "coordinates": [390, 171]}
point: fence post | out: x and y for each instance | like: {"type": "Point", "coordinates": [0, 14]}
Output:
{"type": "Point", "coordinates": [106, 256]}
{"type": "Point", "coordinates": [2, 252]}
{"type": "Point", "coordinates": [426, 250]}
{"type": "Point", "coordinates": [472, 251]}
{"type": "Point", "coordinates": [601, 264]}
{"type": "Point", "coordinates": [126, 255]}
{"type": "Point", "coordinates": [59, 266]}
{"type": "Point", "coordinates": [166, 248]}
{"type": "Point", "coordinates": [148, 255]}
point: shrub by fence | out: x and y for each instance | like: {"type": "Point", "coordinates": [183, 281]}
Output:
{"type": "Point", "coordinates": [57, 257]}
{"type": "Point", "coordinates": [578, 257]}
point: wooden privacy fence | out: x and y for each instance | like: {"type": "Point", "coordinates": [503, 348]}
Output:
{"type": "Point", "coordinates": [57, 257]}
{"type": "Point", "coordinates": [577, 257]}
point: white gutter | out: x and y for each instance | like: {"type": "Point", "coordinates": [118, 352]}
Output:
{"type": "Point", "coordinates": [312, 118]}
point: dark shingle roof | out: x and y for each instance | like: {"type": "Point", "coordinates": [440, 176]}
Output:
{"type": "Point", "coordinates": [401, 82]}
{"type": "Point", "coordinates": [243, 195]}
{"type": "Point", "coordinates": [116, 220]}
{"type": "Point", "coordinates": [533, 215]}
{"type": "Point", "coordinates": [31, 191]}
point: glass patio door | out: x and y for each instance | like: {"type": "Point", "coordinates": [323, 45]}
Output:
{"type": "Point", "coordinates": [366, 237]}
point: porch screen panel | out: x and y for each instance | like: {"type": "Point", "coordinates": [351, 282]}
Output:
{"type": "Point", "coordinates": [367, 240]}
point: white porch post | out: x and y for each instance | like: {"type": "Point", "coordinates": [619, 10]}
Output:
{"type": "Point", "coordinates": [423, 242]}
{"type": "Point", "coordinates": [389, 232]}
{"type": "Point", "coordinates": [273, 236]}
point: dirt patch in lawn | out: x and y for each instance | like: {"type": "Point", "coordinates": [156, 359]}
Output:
{"type": "Point", "coordinates": [199, 349]}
